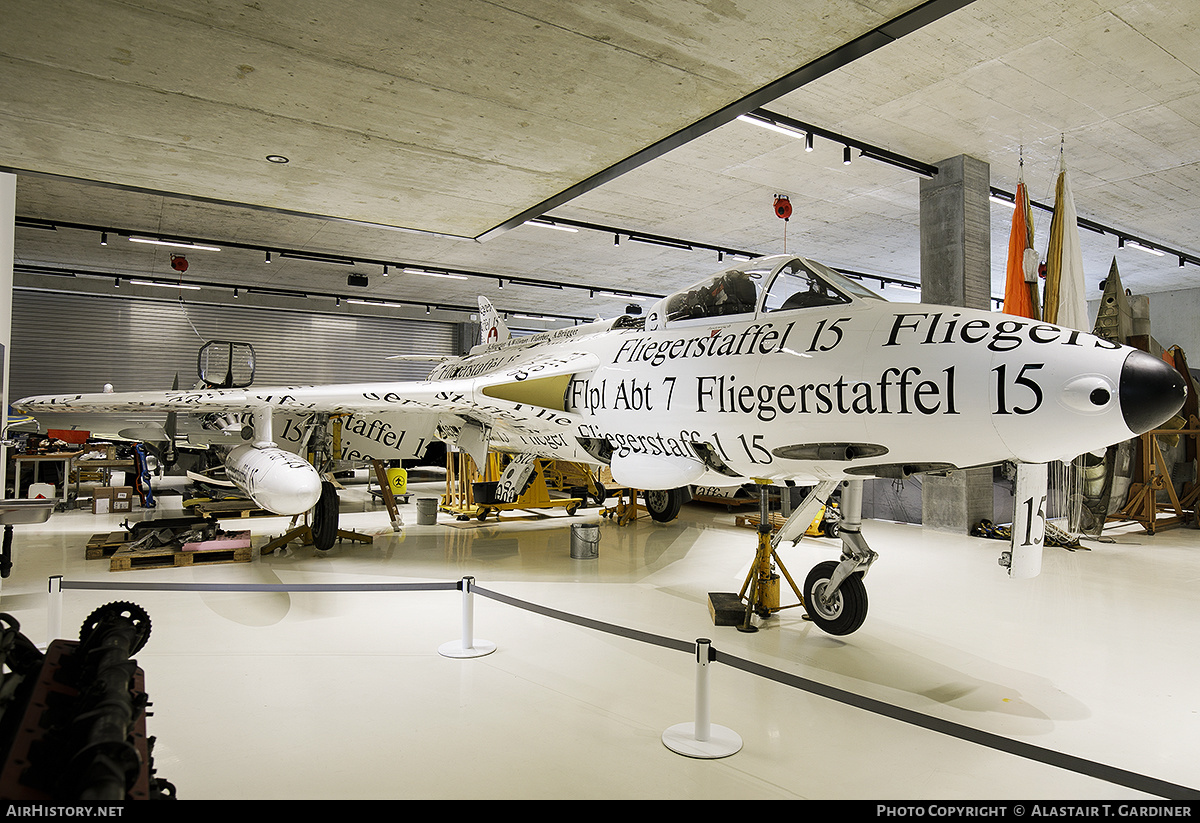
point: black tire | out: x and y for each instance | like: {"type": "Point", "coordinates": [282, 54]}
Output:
{"type": "Point", "coordinates": [848, 609]}
{"type": "Point", "coordinates": [325, 518]}
{"type": "Point", "coordinates": [663, 504]}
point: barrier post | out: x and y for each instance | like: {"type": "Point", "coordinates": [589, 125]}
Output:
{"type": "Point", "coordinates": [468, 646]}
{"type": "Point", "coordinates": [54, 610]}
{"type": "Point", "coordinates": [700, 738]}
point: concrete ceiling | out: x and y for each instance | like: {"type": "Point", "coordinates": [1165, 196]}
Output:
{"type": "Point", "coordinates": [411, 129]}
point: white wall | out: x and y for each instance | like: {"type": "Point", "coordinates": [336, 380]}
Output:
{"type": "Point", "coordinates": [1175, 321]}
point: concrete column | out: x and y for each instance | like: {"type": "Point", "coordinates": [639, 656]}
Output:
{"type": "Point", "coordinates": [956, 270]}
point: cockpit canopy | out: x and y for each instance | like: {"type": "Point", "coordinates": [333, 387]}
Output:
{"type": "Point", "coordinates": [763, 285]}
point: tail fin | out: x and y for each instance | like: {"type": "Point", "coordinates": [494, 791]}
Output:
{"type": "Point", "coordinates": [491, 327]}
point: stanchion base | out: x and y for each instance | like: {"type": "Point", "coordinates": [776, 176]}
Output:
{"type": "Point", "coordinates": [455, 648]}
{"type": "Point", "coordinates": [721, 742]}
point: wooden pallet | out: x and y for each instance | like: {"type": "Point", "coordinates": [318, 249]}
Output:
{"type": "Point", "coordinates": [121, 558]}
{"type": "Point", "coordinates": [166, 557]}
{"type": "Point", "coordinates": [100, 546]}
{"type": "Point", "coordinates": [228, 508]}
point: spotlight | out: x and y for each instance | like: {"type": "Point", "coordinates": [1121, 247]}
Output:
{"type": "Point", "coordinates": [846, 156]}
{"type": "Point", "coordinates": [268, 257]}
{"type": "Point", "coordinates": [103, 238]}
{"type": "Point", "coordinates": [808, 141]}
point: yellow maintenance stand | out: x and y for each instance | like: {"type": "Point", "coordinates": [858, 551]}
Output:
{"type": "Point", "coordinates": [761, 589]}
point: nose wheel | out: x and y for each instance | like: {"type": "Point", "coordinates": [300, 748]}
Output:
{"type": "Point", "coordinates": [835, 611]}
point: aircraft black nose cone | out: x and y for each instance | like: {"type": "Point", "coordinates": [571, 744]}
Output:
{"type": "Point", "coordinates": [1151, 392]}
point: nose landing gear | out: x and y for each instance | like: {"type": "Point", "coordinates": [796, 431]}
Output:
{"type": "Point", "coordinates": [834, 595]}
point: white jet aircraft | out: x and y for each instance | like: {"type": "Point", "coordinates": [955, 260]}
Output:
{"type": "Point", "coordinates": [776, 370]}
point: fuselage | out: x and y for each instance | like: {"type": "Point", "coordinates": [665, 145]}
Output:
{"type": "Point", "coordinates": [860, 387]}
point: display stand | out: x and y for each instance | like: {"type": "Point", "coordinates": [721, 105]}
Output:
{"type": "Point", "coordinates": [1144, 504]}
{"type": "Point", "coordinates": [469, 492]}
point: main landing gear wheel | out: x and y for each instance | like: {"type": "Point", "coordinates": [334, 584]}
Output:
{"type": "Point", "coordinates": [325, 518]}
{"type": "Point", "coordinates": [841, 614]}
{"type": "Point", "coordinates": [664, 504]}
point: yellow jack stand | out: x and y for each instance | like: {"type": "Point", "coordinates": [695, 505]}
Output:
{"type": "Point", "coordinates": [624, 512]}
{"type": "Point", "coordinates": [761, 589]}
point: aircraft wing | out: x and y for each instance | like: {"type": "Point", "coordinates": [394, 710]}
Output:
{"type": "Point", "coordinates": [515, 396]}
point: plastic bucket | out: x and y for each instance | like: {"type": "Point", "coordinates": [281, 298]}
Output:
{"type": "Point", "coordinates": [427, 509]}
{"type": "Point", "coordinates": [398, 480]}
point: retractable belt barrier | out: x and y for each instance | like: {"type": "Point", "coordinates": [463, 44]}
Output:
{"type": "Point", "coordinates": [699, 739]}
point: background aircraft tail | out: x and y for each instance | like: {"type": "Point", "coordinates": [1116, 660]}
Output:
{"type": "Point", "coordinates": [491, 327]}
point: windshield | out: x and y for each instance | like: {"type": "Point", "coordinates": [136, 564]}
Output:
{"type": "Point", "coordinates": [796, 286]}
{"type": "Point", "coordinates": [733, 291]}
{"type": "Point", "coordinates": [845, 284]}
{"type": "Point", "coordinates": [782, 283]}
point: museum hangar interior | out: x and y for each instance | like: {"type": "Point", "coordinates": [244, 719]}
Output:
{"type": "Point", "coordinates": [337, 185]}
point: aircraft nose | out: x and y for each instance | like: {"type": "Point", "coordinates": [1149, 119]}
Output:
{"type": "Point", "coordinates": [1151, 392]}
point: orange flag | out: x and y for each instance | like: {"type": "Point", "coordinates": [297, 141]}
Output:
{"type": "Point", "coordinates": [1020, 295]}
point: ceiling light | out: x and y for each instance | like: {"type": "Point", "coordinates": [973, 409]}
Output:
{"type": "Point", "coordinates": [175, 244]}
{"type": "Point", "coordinates": [26, 223]}
{"type": "Point", "coordinates": [317, 258]}
{"type": "Point", "coordinates": [444, 274]}
{"type": "Point", "coordinates": [767, 124]}
{"type": "Point", "coordinates": [1133, 244]}
{"type": "Point", "coordinates": [1001, 201]}
{"type": "Point", "coordinates": [268, 258]}
{"type": "Point", "coordinates": [164, 285]}
{"type": "Point", "coordinates": [546, 224]}
{"type": "Point", "coordinates": [846, 156]}
{"type": "Point", "coordinates": [277, 158]}
{"type": "Point", "coordinates": [103, 238]}
{"type": "Point", "coordinates": [385, 270]}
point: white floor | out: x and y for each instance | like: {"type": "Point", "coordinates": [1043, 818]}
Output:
{"type": "Point", "coordinates": [344, 695]}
